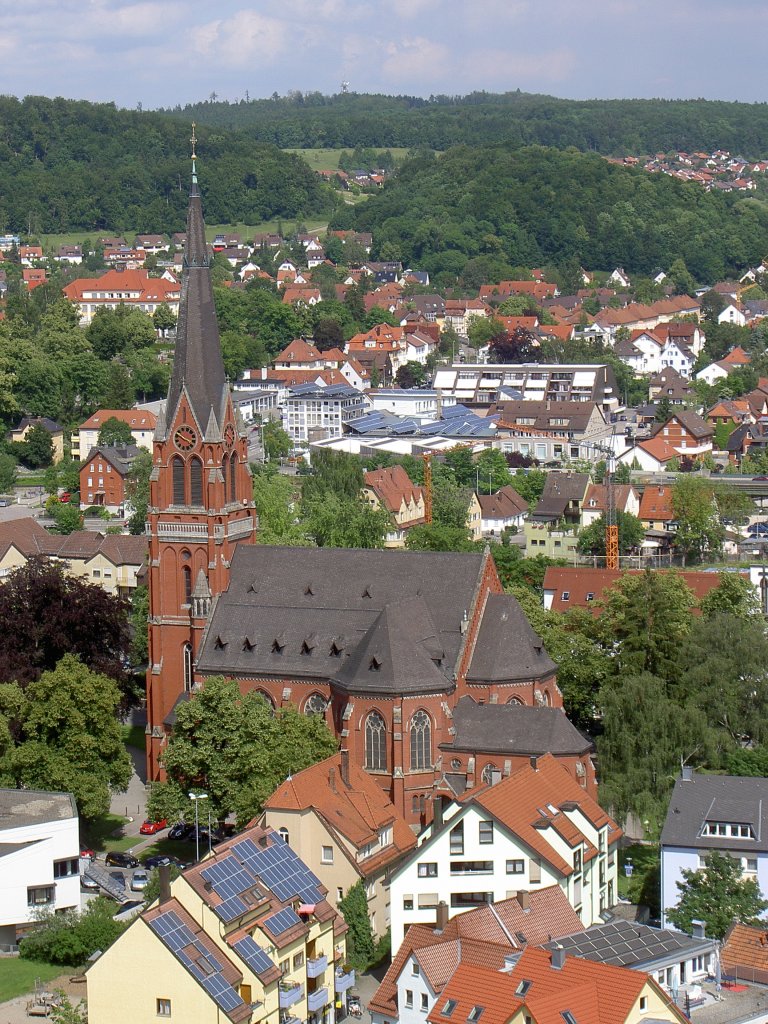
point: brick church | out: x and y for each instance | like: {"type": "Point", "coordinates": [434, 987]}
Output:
{"type": "Point", "coordinates": [427, 672]}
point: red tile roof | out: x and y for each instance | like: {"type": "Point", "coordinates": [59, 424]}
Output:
{"type": "Point", "coordinates": [298, 351]}
{"type": "Point", "coordinates": [137, 419]}
{"type": "Point", "coordinates": [745, 950]}
{"type": "Point", "coordinates": [529, 802]}
{"type": "Point", "coordinates": [656, 503]}
{"type": "Point", "coordinates": [393, 486]}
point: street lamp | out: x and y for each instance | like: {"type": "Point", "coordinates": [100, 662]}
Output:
{"type": "Point", "coordinates": [197, 797]}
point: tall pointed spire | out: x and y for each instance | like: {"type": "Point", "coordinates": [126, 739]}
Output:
{"type": "Point", "coordinates": [198, 366]}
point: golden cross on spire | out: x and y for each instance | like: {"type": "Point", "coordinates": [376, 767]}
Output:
{"type": "Point", "coordinates": [193, 140]}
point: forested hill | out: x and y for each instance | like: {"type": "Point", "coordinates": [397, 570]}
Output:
{"type": "Point", "coordinates": [531, 206]}
{"type": "Point", "coordinates": [611, 127]}
{"type": "Point", "coordinates": [67, 165]}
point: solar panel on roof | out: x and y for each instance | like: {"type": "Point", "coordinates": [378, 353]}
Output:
{"type": "Point", "coordinates": [282, 921]}
{"type": "Point", "coordinates": [253, 955]}
{"type": "Point", "coordinates": [222, 992]}
{"type": "Point", "coordinates": [230, 909]}
{"type": "Point", "coordinates": [172, 931]}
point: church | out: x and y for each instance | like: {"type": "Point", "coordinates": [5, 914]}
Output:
{"type": "Point", "coordinates": [429, 675]}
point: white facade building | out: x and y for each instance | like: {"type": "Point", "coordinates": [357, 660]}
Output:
{"type": "Point", "coordinates": [40, 850]}
{"type": "Point", "coordinates": [312, 413]}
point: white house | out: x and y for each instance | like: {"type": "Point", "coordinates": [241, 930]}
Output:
{"type": "Point", "coordinates": [141, 421]}
{"type": "Point", "coordinates": [725, 813]}
{"type": "Point", "coordinates": [314, 413]}
{"type": "Point", "coordinates": [422, 403]}
{"type": "Point", "coordinates": [537, 827]}
{"type": "Point", "coordinates": [732, 314]}
{"type": "Point", "coordinates": [40, 849]}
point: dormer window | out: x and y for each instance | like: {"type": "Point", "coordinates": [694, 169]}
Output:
{"type": "Point", "coordinates": [374, 665]}
{"type": "Point", "coordinates": [248, 644]}
{"type": "Point", "coordinates": [220, 644]}
{"type": "Point", "coordinates": [367, 592]}
{"type": "Point", "coordinates": [336, 649]}
{"type": "Point", "coordinates": [278, 645]}
{"type": "Point", "coordinates": [475, 1013]}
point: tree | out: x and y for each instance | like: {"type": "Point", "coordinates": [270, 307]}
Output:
{"type": "Point", "coordinates": [9, 473]}
{"type": "Point", "coordinates": [70, 938]}
{"type": "Point", "coordinates": [137, 491]}
{"type": "Point", "coordinates": [70, 738]}
{"type": "Point", "coordinates": [66, 518]}
{"type": "Point", "coordinates": [645, 736]}
{"type": "Point", "coordinates": [648, 614]}
{"type": "Point", "coordinates": [411, 375]}
{"type": "Point", "coordinates": [433, 537]}
{"type": "Point", "coordinates": [275, 500]}
{"type": "Point", "coordinates": [718, 895]}
{"type": "Point", "coordinates": [360, 944]}
{"type": "Point", "coordinates": [120, 392]}
{"type": "Point", "coordinates": [59, 614]}
{"type": "Point", "coordinates": [327, 335]}
{"type": "Point", "coordinates": [631, 533]}
{"type": "Point", "coordinates": [38, 447]}
{"type": "Point", "coordinates": [516, 346]}
{"type": "Point", "coordinates": [115, 432]}
{"type": "Point", "coordinates": [492, 471]}
{"type": "Point", "coordinates": [236, 748]}
{"type": "Point", "coordinates": [163, 319]}
{"type": "Point", "coordinates": [461, 463]}
{"type": "Point", "coordinates": [345, 522]}
{"type": "Point", "coordinates": [699, 529]}
{"type": "Point", "coordinates": [663, 410]}
{"type": "Point", "coordinates": [733, 595]}
{"type": "Point", "coordinates": [139, 630]}
{"type": "Point", "coordinates": [277, 442]}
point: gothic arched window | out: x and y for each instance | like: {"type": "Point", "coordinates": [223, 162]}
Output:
{"type": "Point", "coordinates": [232, 477]}
{"type": "Point", "coordinates": [375, 743]}
{"type": "Point", "coordinates": [187, 573]}
{"type": "Point", "coordinates": [177, 469]}
{"type": "Point", "coordinates": [489, 772]}
{"type": "Point", "coordinates": [421, 741]}
{"type": "Point", "coordinates": [195, 481]}
{"type": "Point", "coordinates": [187, 667]}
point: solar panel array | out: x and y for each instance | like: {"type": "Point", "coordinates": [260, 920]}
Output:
{"type": "Point", "coordinates": [174, 934]}
{"type": "Point", "coordinates": [228, 880]}
{"type": "Point", "coordinates": [280, 870]}
{"type": "Point", "coordinates": [253, 955]}
{"type": "Point", "coordinates": [282, 921]}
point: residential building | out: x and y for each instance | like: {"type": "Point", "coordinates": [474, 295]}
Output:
{"type": "Point", "coordinates": [551, 528]}
{"type": "Point", "coordinates": [625, 499]}
{"type": "Point", "coordinates": [56, 431]}
{"type": "Point", "coordinates": [744, 955]}
{"type": "Point", "coordinates": [299, 355]}
{"type": "Point", "coordinates": [585, 587]}
{"type": "Point", "coordinates": [551, 431]}
{"type": "Point", "coordinates": [343, 828]}
{"type": "Point", "coordinates": [382, 340]}
{"type": "Point", "coordinates": [40, 845]}
{"type": "Point", "coordinates": [419, 402]}
{"type": "Point", "coordinates": [69, 254]}
{"type": "Point", "coordinates": [537, 827]}
{"type": "Point", "coordinates": [103, 476]}
{"type": "Point", "coordinates": [480, 384]}
{"type": "Point", "coordinates": [673, 958]}
{"type": "Point", "coordinates": [391, 488]}
{"type": "Point", "coordinates": [669, 384]}
{"type": "Point", "coordinates": [247, 935]}
{"type": "Point", "coordinates": [656, 512]}
{"type": "Point", "coordinates": [502, 511]}
{"type": "Point", "coordinates": [550, 987]}
{"type": "Point", "coordinates": [118, 287]}
{"type": "Point", "coordinates": [488, 935]}
{"type": "Point", "coordinates": [314, 413]}
{"type": "Point", "coordinates": [722, 813]}
{"type": "Point", "coordinates": [141, 421]}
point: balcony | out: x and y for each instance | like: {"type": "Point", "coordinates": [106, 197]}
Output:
{"type": "Point", "coordinates": [317, 966]}
{"type": "Point", "coordinates": [290, 994]}
{"type": "Point", "coordinates": [343, 981]}
{"type": "Point", "coordinates": [317, 1000]}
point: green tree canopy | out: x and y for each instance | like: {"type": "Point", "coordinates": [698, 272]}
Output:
{"type": "Point", "coordinates": [699, 529]}
{"type": "Point", "coordinates": [718, 895]}
{"type": "Point", "coordinates": [236, 748]}
{"type": "Point", "coordinates": [115, 432]}
{"type": "Point", "coordinates": [631, 533]}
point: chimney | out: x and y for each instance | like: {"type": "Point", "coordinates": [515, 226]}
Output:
{"type": "Point", "coordinates": [345, 767]}
{"type": "Point", "coordinates": [534, 762]}
{"type": "Point", "coordinates": [332, 779]}
{"type": "Point", "coordinates": [558, 958]}
{"type": "Point", "coordinates": [523, 898]}
{"type": "Point", "coordinates": [164, 874]}
{"type": "Point", "coordinates": [686, 773]}
{"type": "Point", "coordinates": [698, 930]}
{"type": "Point", "coordinates": [442, 916]}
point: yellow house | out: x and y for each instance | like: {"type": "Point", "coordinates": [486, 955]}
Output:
{"type": "Point", "coordinates": [390, 488]}
{"type": "Point", "coordinates": [343, 826]}
{"type": "Point", "coordinates": [475, 518]}
{"type": "Point", "coordinates": [53, 428]}
{"type": "Point", "coordinates": [246, 935]}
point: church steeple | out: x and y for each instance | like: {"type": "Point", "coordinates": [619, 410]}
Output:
{"type": "Point", "coordinates": [198, 367]}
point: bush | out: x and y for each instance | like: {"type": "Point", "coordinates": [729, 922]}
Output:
{"type": "Point", "coordinates": [70, 938]}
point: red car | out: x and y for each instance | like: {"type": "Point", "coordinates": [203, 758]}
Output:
{"type": "Point", "coordinates": [85, 852]}
{"type": "Point", "coordinates": [149, 828]}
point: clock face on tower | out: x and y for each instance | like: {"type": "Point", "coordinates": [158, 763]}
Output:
{"type": "Point", "coordinates": [185, 438]}
{"type": "Point", "coordinates": [229, 436]}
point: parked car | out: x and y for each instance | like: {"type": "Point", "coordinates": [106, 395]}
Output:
{"type": "Point", "coordinates": [118, 876]}
{"type": "Point", "coordinates": [140, 880]}
{"type": "Point", "coordinates": [155, 860]}
{"type": "Point", "coordinates": [87, 852]}
{"type": "Point", "coordinates": [151, 828]}
{"type": "Point", "coordinates": [181, 830]}
{"type": "Point", "coordinates": [87, 883]}
{"type": "Point", "coordinates": [758, 530]}
{"type": "Point", "coordinates": [121, 860]}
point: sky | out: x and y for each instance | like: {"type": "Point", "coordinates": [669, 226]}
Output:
{"type": "Point", "coordinates": [183, 51]}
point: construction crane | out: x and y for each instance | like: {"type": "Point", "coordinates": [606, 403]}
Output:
{"type": "Point", "coordinates": [611, 519]}
{"type": "Point", "coordinates": [426, 458]}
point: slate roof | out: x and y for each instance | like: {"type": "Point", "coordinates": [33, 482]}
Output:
{"type": "Point", "coordinates": [718, 798]}
{"type": "Point", "coordinates": [546, 413]}
{"type": "Point", "coordinates": [327, 613]}
{"type": "Point", "coordinates": [559, 491]}
{"type": "Point", "coordinates": [691, 421]}
{"type": "Point", "coordinates": [514, 729]}
{"type": "Point", "coordinates": [627, 944]}
{"type": "Point", "coordinates": [506, 503]}
{"type": "Point", "coordinates": [120, 458]}
{"type": "Point", "coordinates": [505, 629]}
{"type": "Point", "coordinates": [198, 365]}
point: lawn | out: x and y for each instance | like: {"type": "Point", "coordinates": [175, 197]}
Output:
{"type": "Point", "coordinates": [328, 159]}
{"type": "Point", "coordinates": [106, 834]}
{"type": "Point", "coordinates": [643, 885]}
{"type": "Point", "coordinates": [133, 736]}
{"type": "Point", "coordinates": [179, 848]}
{"type": "Point", "coordinates": [17, 976]}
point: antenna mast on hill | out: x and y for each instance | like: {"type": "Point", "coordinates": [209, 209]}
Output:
{"type": "Point", "coordinates": [345, 86]}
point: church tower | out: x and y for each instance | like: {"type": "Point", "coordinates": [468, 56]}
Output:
{"type": "Point", "coordinates": [201, 495]}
